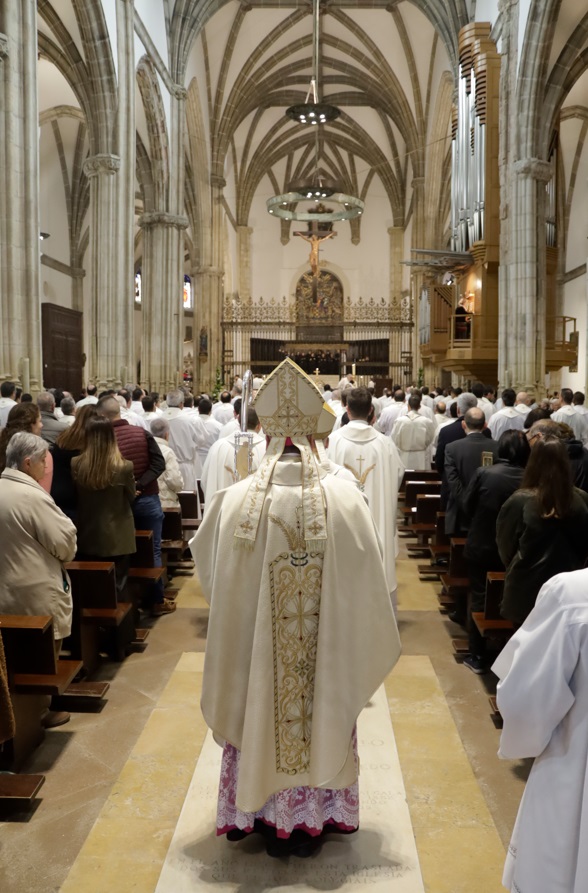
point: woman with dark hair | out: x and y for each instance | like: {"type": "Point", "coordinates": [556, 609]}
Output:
{"type": "Point", "coordinates": [106, 491]}
{"type": "Point", "coordinates": [542, 530]}
{"type": "Point", "coordinates": [25, 417]}
{"type": "Point", "coordinates": [486, 494]}
{"type": "Point", "coordinates": [70, 443]}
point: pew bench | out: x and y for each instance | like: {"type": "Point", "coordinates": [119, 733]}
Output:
{"type": "Point", "coordinates": [34, 672]}
{"type": "Point", "coordinates": [410, 474]}
{"type": "Point", "coordinates": [438, 550]}
{"type": "Point", "coordinates": [490, 623]}
{"type": "Point", "coordinates": [424, 524]}
{"type": "Point", "coordinates": [175, 543]}
{"type": "Point", "coordinates": [455, 582]}
{"type": "Point", "coordinates": [413, 489]}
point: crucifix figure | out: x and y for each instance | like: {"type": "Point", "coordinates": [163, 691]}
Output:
{"type": "Point", "coordinates": [314, 240]}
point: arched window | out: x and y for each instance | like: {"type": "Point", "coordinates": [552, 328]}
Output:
{"type": "Point", "coordinates": [138, 287]}
{"type": "Point", "coordinates": [188, 296]}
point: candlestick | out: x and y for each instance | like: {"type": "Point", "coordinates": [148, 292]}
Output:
{"type": "Point", "coordinates": [353, 368]}
{"type": "Point", "coordinates": [316, 372]}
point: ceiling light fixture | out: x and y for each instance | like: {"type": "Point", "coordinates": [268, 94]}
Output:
{"type": "Point", "coordinates": [314, 112]}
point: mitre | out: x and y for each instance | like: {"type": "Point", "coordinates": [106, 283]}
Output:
{"type": "Point", "coordinates": [288, 403]}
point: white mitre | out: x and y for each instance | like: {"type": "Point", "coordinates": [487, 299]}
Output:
{"type": "Point", "coordinates": [289, 406]}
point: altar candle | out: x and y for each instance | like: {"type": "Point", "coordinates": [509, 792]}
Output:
{"type": "Point", "coordinates": [353, 368]}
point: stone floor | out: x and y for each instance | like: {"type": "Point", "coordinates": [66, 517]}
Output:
{"type": "Point", "coordinates": [116, 780]}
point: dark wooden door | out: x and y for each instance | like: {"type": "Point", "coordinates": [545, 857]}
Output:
{"type": "Point", "coordinates": [62, 348]}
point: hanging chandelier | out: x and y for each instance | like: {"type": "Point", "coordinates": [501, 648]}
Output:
{"type": "Point", "coordinates": [315, 111]}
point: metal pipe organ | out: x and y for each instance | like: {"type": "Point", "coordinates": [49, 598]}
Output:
{"type": "Point", "coordinates": [468, 164]}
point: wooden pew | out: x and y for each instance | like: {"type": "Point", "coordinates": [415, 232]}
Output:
{"type": "Point", "coordinates": [412, 475]}
{"type": "Point", "coordinates": [455, 583]}
{"type": "Point", "coordinates": [414, 489]}
{"type": "Point", "coordinates": [99, 614]}
{"type": "Point", "coordinates": [34, 672]}
{"type": "Point", "coordinates": [490, 623]}
{"type": "Point", "coordinates": [175, 543]}
{"type": "Point", "coordinates": [439, 550]}
{"type": "Point", "coordinates": [425, 520]}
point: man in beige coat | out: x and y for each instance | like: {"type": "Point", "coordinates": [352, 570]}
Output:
{"type": "Point", "coordinates": [37, 538]}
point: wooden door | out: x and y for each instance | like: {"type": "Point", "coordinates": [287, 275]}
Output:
{"type": "Point", "coordinates": [62, 348]}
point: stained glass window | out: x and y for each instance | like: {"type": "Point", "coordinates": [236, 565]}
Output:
{"type": "Point", "coordinates": [187, 293]}
{"type": "Point", "coordinates": [138, 287]}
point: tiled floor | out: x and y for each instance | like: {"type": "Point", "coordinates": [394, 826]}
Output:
{"type": "Point", "coordinates": [130, 766]}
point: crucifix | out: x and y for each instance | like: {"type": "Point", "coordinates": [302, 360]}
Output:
{"type": "Point", "coordinates": [314, 240]}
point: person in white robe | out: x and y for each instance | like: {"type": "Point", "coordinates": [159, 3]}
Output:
{"type": "Point", "coordinates": [391, 412]}
{"type": "Point", "coordinates": [569, 415]}
{"type": "Point", "coordinates": [183, 440]}
{"type": "Point", "coordinates": [413, 434]}
{"type": "Point", "coordinates": [207, 429]}
{"type": "Point", "coordinates": [219, 468]}
{"type": "Point", "coordinates": [441, 419]}
{"type": "Point", "coordinates": [373, 460]}
{"type": "Point", "coordinates": [189, 410]}
{"type": "Point", "coordinates": [508, 418]}
{"type": "Point", "coordinates": [223, 410]}
{"type": "Point", "coordinates": [426, 399]}
{"type": "Point", "coordinates": [523, 404]}
{"type": "Point", "coordinates": [287, 672]}
{"type": "Point", "coordinates": [90, 398]}
{"type": "Point", "coordinates": [578, 403]}
{"type": "Point", "coordinates": [543, 698]}
{"type": "Point", "coordinates": [171, 482]}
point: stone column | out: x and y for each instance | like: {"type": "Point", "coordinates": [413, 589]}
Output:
{"type": "Point", "coordinates": [417, 278]}
{"type": "Point", "coordinates": [522, 303]}
{"type": "Point", "coordinates": [19, 194]}
{"type": "Point", "coordinates": [124, 259]}
{"type": "Point", "coordinates": [108, 342]}
{"type": "Point", "coordinates": [208, 297]}
{"type": "Point", "coordinates": [244, 261]}
{"type": "Point", "coordinates": [162, 300]}
{"type": "Point", "coordinates": [396, 234]}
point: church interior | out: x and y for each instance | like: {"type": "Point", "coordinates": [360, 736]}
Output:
{"type": "Point", "coordinates": [172, 216]}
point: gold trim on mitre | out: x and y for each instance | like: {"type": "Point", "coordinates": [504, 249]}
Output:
{"type": "Point", "coordinates": [288, 405]}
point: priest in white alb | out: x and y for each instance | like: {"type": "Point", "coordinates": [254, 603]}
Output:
{"type": "Point", "coordinates": [373, 460]}
{"type": "Point", "coordinates": [414, 434]}
{"type": "Point", "coordinates": [301, 632]}
{"type": "Point", "coordinates": [183, 439]}
{"type": "Point", "coordinates": [219, 469]}
{"type": "Point", "coordinates": [543, 698]}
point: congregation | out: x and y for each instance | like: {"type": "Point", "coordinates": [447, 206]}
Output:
{"type": "Point", "coordinates": [81, 478]}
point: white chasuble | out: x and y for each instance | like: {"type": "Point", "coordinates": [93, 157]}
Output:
{"type": "Point", "coordinates": [543, 698]}
{"type": "Point", "coordinates": [219, 468]}
{"type": "Point", "coordinates": [184, 443]}
{"type": "Point", "coordinates": [373, 460]}
{"type": "Point", "coordinates": [413, 434]}
{"type": "Point", "coordinates": [298, 639]}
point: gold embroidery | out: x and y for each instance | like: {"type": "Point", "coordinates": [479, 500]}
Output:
{"type": "Point", "coordinates": [360, 477]}
{"type": "Point", "coordinates": [295, 587]}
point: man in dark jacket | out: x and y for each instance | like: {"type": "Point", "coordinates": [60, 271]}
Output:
{"type": "Point", "coordinates": [462, 460]}
{"type": "Point", "coordinates": [448, 434]}
{"type": "Point", "coordinates": [138, 445]}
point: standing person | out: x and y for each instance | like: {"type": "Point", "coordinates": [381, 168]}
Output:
{"type": "Point", "coordinates": [52, 425]}
{"type": "Point", "coordinates": [542, 530]}
{"type": "Point", "coordinates": [25, 417]}
{"type": "Point", "coordinates": [138, 445]}
{"type": "Point", "coordinates": [37, 541]}
{"type": "Point", "coordinates": [223, 410]}
{"type": "Point", "coordinates": [508, 418]}
{"type": "Point", "coordinates": [106, 492]}
{"type": "Point", "coordinates": [69, 444]}
{"type": "Point", "coordinates": [487, 492]}
{"type": "Point", "coordinates": [391, 412]}
{"type": "Point", "coordinates": [570, 415]}
{"type": "Point", "coordinates": [207, 429]}
{"type": "Point", "coordinates": [543, 699]}
{"type": "Point", "coordinates": [170, 483]}
{"type": "Point", "coordinates": [373, 460]}
{"type": "Point", "coordinates": [413, 434]}
{"type": "Point", "coordinates": [91, 396]}
{"type": "Point", "coordinates": [183, 439]}
{"type": "Point", "coordinates": [7, 400]}
{"type": "Point", "coordinates": [289, 697]}
{"type": "Point", "coordinates": [219, 468]}
{"type": "Point", "coordinates": [462, 460]}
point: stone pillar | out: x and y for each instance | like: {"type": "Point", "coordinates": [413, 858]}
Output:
{"type": "Point", "coordinates": [244, 261]}
{"type": "Point", "coordinates": [522, 303]}
{"type": "Point", "coordinates": [396, 234]}
{"type": "Point", "coordinates": [417, 278]}
{"type": "Point", "coordinates": [162, 300]}
{"type": "Point", "coordinates": [19, 194]}
{"type": "Point", "coordinates": [208, 297]}
{"type": "Point", "coordinates": [108, 347]}
{"type": "Point", "coordinates": [126, 141]}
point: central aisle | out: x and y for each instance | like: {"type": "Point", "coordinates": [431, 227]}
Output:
{"type": "Point", "coordinates": [381, 855]}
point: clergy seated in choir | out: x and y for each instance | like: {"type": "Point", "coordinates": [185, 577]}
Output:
{"type": "Point", "coordinates": [373, 460]}
{"type": "Point", "coordinates": [508, 418]}
{"type": "Point", "coordinates": [220, 468]}
{"type": "Point", "coordinates": [413, 434]}
{"type": "Point", "coordinates": [542, 529]}
{"type": "Point", "coordinates": [281, 558]}
{"type": "Point", "coordinates": [183, 439]}
{"type": "Point", "coordinates": [171, 481]}
{"type": "Point", "coordinates": [207, 429]}
{"type": "Point", "coordinates": [543, 699]}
